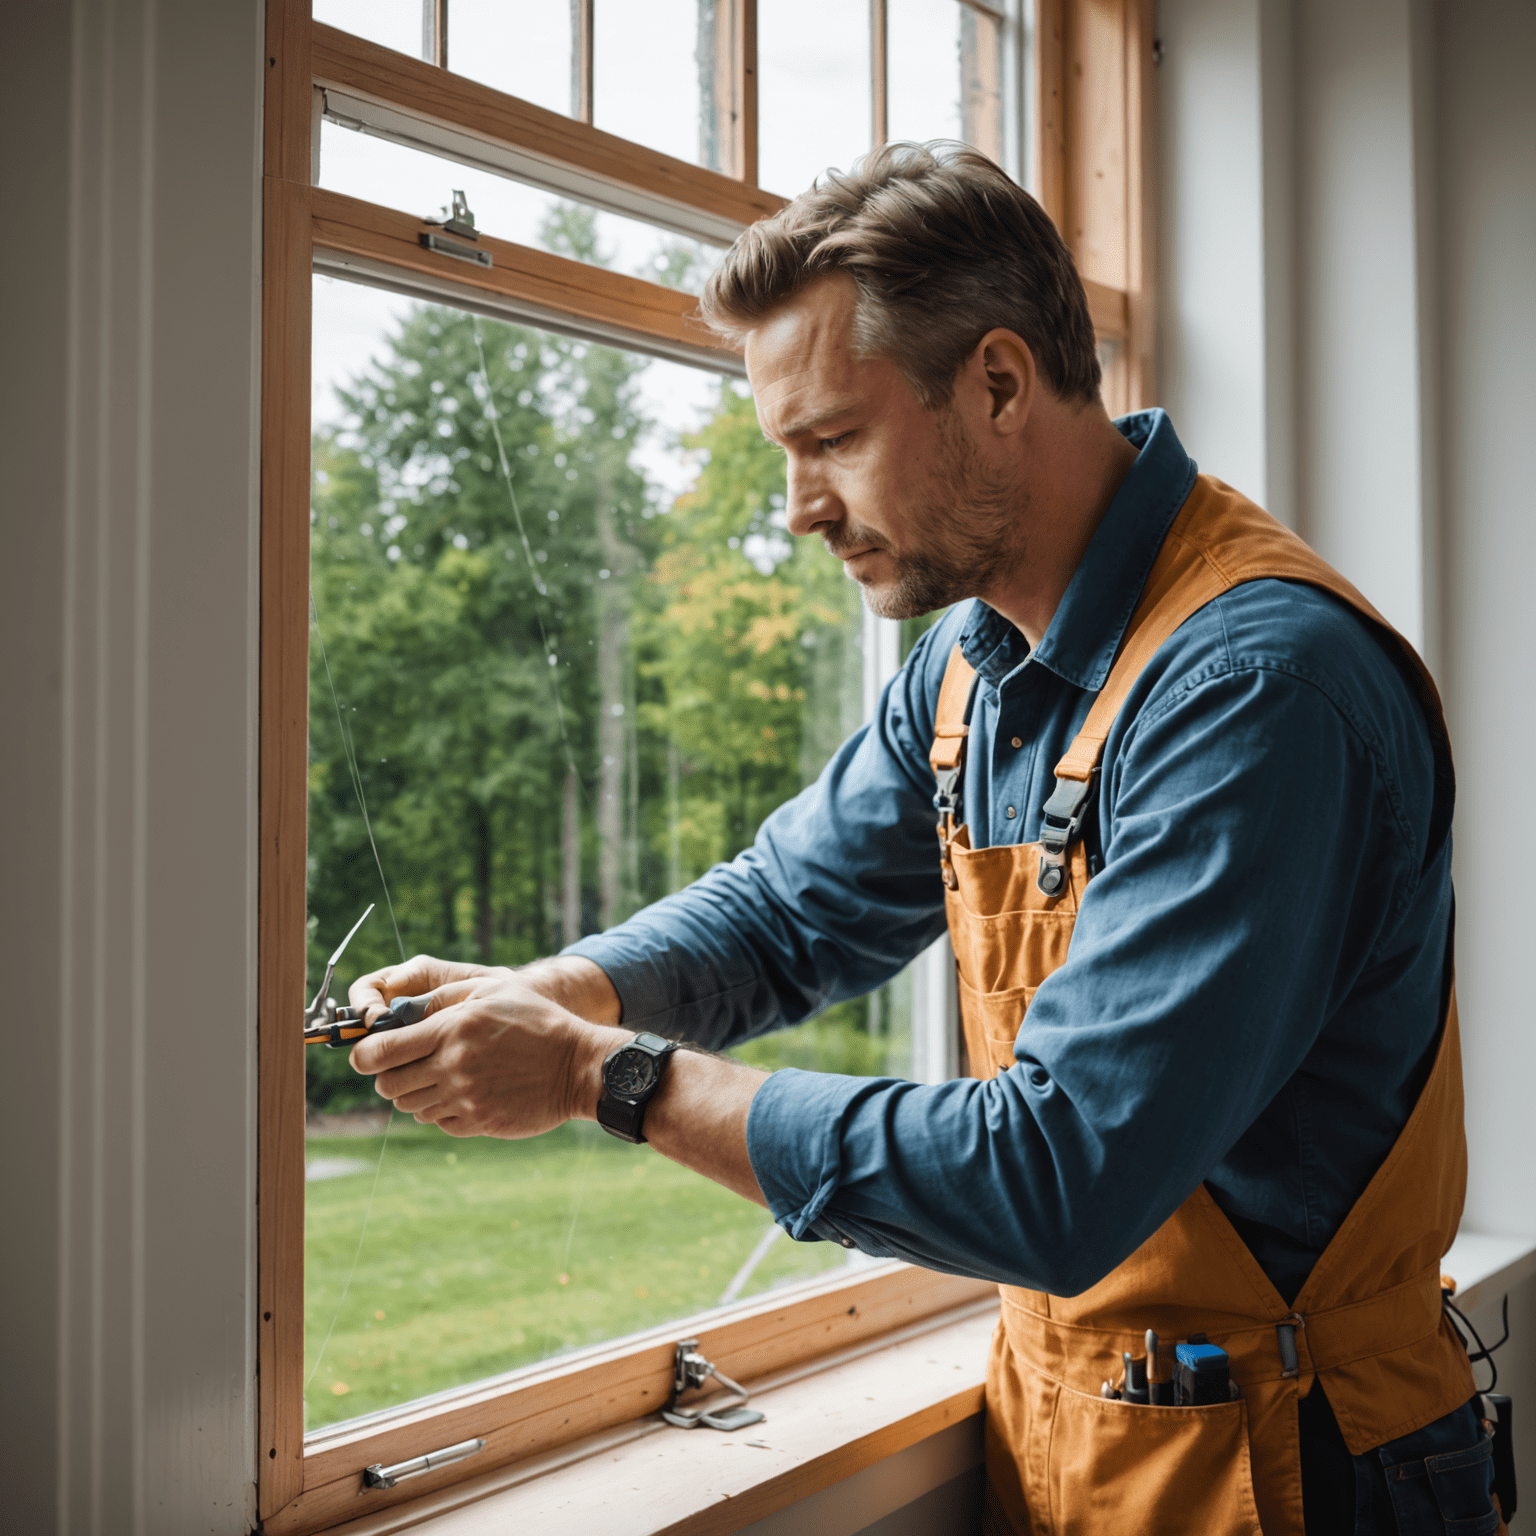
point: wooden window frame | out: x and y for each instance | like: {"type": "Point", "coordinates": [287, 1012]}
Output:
{"type": "Point", "coordinates": [311, 68]}
{"type": "Point", "coordinates": [1093, 167]}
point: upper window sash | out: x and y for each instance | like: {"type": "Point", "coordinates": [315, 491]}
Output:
{"type": "Point", "coordinates": [418, 104]}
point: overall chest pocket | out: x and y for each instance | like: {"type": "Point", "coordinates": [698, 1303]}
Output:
{"type": "Point", "coordinates": [991, 1021]}
{"type": "Point", "coordinates": [1144, 1471]}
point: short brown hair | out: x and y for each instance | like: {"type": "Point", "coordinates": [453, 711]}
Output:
{"type": "Point", "coordinates": [944, 247]}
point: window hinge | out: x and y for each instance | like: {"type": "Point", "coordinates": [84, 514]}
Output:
{"type": "Point", "coordinates": [690, 1371]}
{"type": "Point", "coordinates": [379, 1476]}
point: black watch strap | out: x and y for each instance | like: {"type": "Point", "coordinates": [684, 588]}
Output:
{"type": "Point", "coordinates": [621, 1107]}
{"type": "Point", "coordinates": [622, 1118]}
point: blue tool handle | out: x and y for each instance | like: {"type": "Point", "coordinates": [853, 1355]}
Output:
{"type": "Point", "coordinates": [404, 1011]}
{"type": "Point", "coordinates": [1201, 1375]}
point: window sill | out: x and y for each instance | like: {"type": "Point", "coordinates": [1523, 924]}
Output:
{"type": "Point", "coordinates": [825, 1423]}
{"type": "Point", "coordinates": [1486, 1265]}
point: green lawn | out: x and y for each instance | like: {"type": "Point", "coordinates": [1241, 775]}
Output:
{"type": "Point", "coordinates": [483, 1255]}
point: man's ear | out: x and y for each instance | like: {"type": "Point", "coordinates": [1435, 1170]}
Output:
{"type": "Point", "coordinates": [1003, 358]}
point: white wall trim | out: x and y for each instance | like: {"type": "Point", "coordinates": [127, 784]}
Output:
{"type": "Point", "coordinates": [129, 303]}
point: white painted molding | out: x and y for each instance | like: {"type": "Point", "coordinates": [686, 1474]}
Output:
{"type": "Point", "coordinates": [129, 305]}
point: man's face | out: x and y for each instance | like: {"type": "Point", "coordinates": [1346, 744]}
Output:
{"type": "Point", "coordinates": [902, 495]}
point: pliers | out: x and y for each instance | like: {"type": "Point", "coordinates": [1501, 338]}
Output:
{"type": "Point", "coordinates": [326, 1024]}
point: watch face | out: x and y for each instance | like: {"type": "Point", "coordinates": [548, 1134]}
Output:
{"type": "Point", "coordinates": [631, 1073]}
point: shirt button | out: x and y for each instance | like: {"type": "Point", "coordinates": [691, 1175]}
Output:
{"type": "Point", "coordinates": [1011, 813]}
{"type": "Point", "coordinates": [1018, 741]}
{"type": "Point", "coordinates": [847, 1242]}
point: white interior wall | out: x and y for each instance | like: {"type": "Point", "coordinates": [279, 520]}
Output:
{"type": "Point", "coordinates": [1485, 136]}
{"type": "Point", "coordinates": [1487, 256]}
{"type": "Point", "coordinates": [1363, 492]}
{"type": "Point", "coordinates": [1386, 146]}
{"type": "Point", "coordinates": [128, 421]}
{"type": "Point", "coordinates": [1211, 318]}
{"type": "Point", "coordinates": [1226, 220]}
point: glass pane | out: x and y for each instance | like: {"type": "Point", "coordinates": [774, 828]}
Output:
{"type": "Point", "coordinates": [653, 76]}
{"type": "Point", "coordinates": [981, 83]}
{"type": "Point", "coordinates": [704, 667]}
{"type": "Point", "coordinates": [814, 90]}
{"type": "Point", "coordinates": [394, 23]}
{"type": "Point", "coordinates": [945, 74]}
{"type": "Point", "coordinates": [416, 182]}
{"type": "Point", "coordinates": [523, 48]}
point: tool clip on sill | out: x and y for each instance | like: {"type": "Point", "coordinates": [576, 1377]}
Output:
{"type": "Point", "coordinates": [326, 1024]}
{"type": "Point", "coordinates": [690, 1371]}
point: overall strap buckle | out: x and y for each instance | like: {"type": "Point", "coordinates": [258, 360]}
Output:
{"type": "Point", "coordinates": [1060, 822]}
{"type": "Point", "coordinates": [947, 754]}
{"type": "Point", "coordinates": [949, 805]}
{"type": "Point", "coordinates": [948, 780]}
{"type": "Point", "coordinates": [1285, 1338]}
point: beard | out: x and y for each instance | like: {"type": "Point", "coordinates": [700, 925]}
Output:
{"type": "Point", "coordinates": [973, 531]}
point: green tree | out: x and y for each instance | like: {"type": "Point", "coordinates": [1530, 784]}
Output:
{"type": "Point", "coordinates": [462, 633]}
{"type": "Point", "coordinates": [561, 698]}
{"type": "Point", "coordinates": [749, 637]}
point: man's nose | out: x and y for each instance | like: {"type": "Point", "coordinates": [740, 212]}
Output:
{"type": "Point", "coordinates": [808, 501]}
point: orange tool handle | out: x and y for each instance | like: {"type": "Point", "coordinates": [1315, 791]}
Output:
{"type": "Point", "coordinates": [400, 1013]}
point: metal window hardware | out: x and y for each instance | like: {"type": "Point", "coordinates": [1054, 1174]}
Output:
{"type": "Point", "coordinates": [457, 220]}
{"type": "Point", "coordinates": [690, 1370]}
{"type": "Point", "coordinates": [379, 1476]}
{"type": "Point", "coordinates": [323, 1009]}
{"type": "Point", "coordinates": [446, 247]}
{"type": "Point", "coordinates": [460, 221]}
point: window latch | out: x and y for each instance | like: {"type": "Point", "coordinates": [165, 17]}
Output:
{"type": "Point", "coordinates": [459, 221]}
{"type": "Point", "coordinates": [380, 1476]}
{"type": "Point", "coordinates": [690, 1370]}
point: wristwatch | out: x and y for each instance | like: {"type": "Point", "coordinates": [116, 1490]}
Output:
{"type": "Point", "coordinates": [632, 1073]}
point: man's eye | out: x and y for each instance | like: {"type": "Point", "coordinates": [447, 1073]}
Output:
{"type": "Point", "coordinates": [835, 442]}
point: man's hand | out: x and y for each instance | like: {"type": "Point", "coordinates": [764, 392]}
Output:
{"type": "Point", "coordinates": [570, 980]}
{"type": "Point", "coordinates": [493, 1057]}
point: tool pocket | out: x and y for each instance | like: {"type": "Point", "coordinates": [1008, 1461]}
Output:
{"type": "Point", "coordinates": [1144, 1471]}
{"type": "Point", "coordinates": [991, 1022]}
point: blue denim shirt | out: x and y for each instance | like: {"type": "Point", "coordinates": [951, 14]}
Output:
{"type": "Point", "coordinates": [1254, 980]}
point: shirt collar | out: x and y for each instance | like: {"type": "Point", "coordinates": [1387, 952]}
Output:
{"type": "Point", "coordinates": [1084, 634]}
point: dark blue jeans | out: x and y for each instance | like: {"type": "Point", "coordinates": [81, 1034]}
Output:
{"type": "Point", "coordinates": [1438, 1481]}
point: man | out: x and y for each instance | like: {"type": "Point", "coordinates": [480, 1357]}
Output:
{"type": "Point", "coordinates": [1205, 861]}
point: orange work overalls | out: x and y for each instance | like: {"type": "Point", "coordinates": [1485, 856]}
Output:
{"type": "Point", "coordinates": [1060, 1457]}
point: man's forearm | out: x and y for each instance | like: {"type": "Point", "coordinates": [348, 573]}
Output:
{"type": "Point", "coordinates": [579, 985]}
{"type": "Point", "coordinates": [699, 1115]}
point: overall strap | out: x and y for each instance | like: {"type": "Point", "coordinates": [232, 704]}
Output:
{"type": "Point", "coordinates": [947, 754]}
{"type": "Point", "coordinates": [1157, 616]}
{"type": "Point", "coordinates": [1219, 540]}
{"type": "Point", "coordinates": [1173, 593]}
